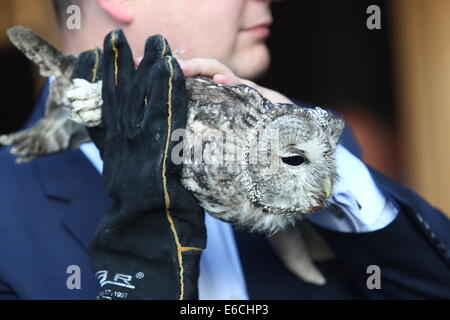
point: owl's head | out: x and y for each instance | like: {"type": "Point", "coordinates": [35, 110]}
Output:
{"type": "Point", "coordinates": [289, 160]}
{"type": "Point", "coordinates": [276, 163]}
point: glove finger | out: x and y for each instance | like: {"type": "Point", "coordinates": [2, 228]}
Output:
{"type": "Point", "coordinates": [88, 65]}
{"type": "Point", "coordinates": [155, 48]}
{"type": "Point", "coordinates": [119, 63]}
{"type": "Point", "coordinates": [118, 69]}
{"type": "Point", "coordinates": [168, 99]}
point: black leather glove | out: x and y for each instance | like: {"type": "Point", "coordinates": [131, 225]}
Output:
{"type": "Point", "coordinates": [148, 244]}
{"type": "Point", "coordinates": [89, 66]}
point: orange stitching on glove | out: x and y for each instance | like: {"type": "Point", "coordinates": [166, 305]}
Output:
{"type": "Point", "coordinates": [164, 179]}
{"type": "Point", "coordinates": [94, 70]}
{"type": "Point", "coordinates": [116, 56]}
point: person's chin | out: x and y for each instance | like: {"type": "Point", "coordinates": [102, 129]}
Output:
{"type": "Point", "coordinates": [252, 62]}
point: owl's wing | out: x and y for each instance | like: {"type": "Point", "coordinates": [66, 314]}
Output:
{"type": "Point", "coordinates": [55, 132]}
{"type": "Point", "coordinates": [317, 246]}
{"type": "Point", "coordinates": [51, 62]}
{"type": "Point", "coordinates": [292, 248]}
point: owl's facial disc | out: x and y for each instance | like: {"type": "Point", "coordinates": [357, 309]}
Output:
{"type": "Point", "coordinates": [298, 158]}
{"type": "Point", "coordinates": [300, 175]}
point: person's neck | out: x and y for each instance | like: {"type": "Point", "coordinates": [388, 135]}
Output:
{"type": "Point", "coordinates": [73, 42]}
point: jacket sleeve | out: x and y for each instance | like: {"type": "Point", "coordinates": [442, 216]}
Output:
{"type": "Point", "coordinates": [412, 252]}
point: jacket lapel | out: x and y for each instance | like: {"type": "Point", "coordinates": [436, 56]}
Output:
{"type": "Point", "coordinates": [69, 179]}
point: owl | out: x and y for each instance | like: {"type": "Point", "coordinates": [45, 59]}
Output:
{"type": "Point", "coordinates": [261, 164]}
{"type": "Point", "coordinates": [248, 161]}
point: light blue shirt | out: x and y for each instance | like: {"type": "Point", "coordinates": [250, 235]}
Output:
{"type": "Point", "coordinates": [355, 193]}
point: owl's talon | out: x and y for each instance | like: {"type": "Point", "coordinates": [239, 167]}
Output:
{"type": "Point", "coordinates": [22, 160]}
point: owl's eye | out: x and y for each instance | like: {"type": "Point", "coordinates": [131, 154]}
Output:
{"type": "Point", "coordinates": [293, 160]}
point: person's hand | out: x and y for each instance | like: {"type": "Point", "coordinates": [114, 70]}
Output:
{"type": "Point", "coordinates": [221, 74]}
{"type": "Point", "coordinates": [149, 243]}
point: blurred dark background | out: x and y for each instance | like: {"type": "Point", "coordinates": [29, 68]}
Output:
{"type": "Point", "coordinates": [322, 54]}
{"type": "Point", "coordinates": [17, 90]}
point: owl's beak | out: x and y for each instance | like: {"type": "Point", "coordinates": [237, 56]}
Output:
{"type": "Point", "coordinates": [328, 186]}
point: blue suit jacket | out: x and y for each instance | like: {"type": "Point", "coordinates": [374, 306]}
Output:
{"type": "Point", "coordinates": [50, 208]}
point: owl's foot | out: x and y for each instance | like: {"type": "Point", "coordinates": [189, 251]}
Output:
{"type": "Point", "coordinates": [25, 144]}
{"type": "Point", "coordinates": [85, 100]}
{"type": "Point", "coordinates": [50, 135]}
